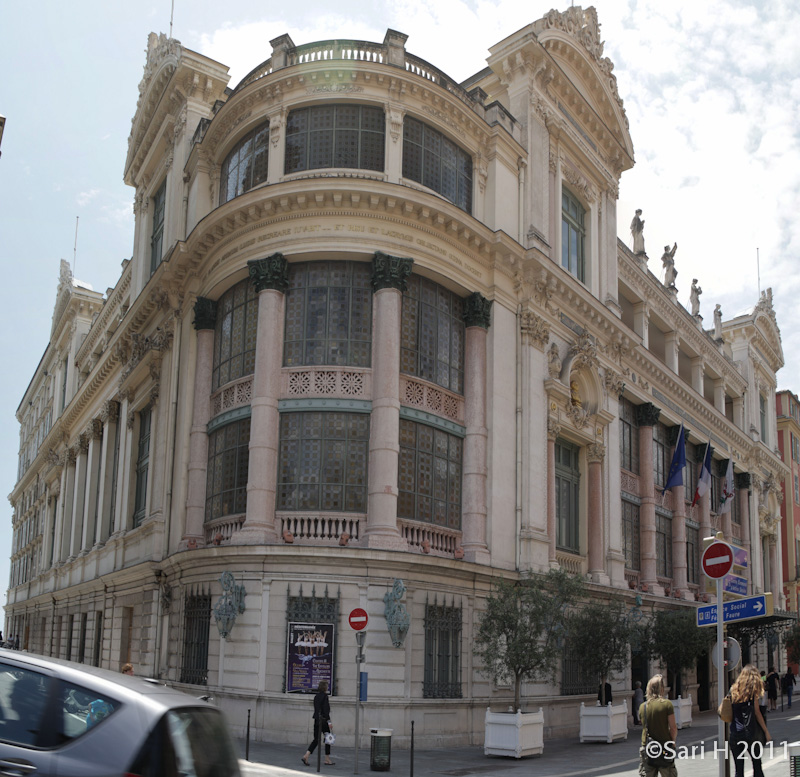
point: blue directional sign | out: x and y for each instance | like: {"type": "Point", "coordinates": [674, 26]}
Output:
{"type": "Point", "coordinates": [731, 584]}
{"type": "Point", "coordinates": [739, 610]}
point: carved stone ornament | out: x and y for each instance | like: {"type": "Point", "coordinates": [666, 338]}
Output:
{"type": "Point", "coordinates": [110, 412]}
{"type": "Point", "coordinates": [269, 273]}
{"type": "Point", "coordinates": [743, 481]}
{"type": "Point", "coordinates": [205, 313]}
{"type": "Point", "coordinates": [230, 604]}
{"type": "Point", "coordinates": [647, 414]}
{"type": "Point", "coordinates": [585, 352]}
{"type": "Point", "coordinates": [553, 362]}
{"type": "Point", "coordinates": [95, 429]}
{"type": "Point", "coordinates": [53, 459]}
{"type": "Point", "coordinates": [141, 345]}
{"type": "Point", "coordinates": [534, 330]}
{"type": "Point", "coordinates": [577, 414]}
{"type": "Point", "coordinates": [477, 311]}
{"type": "Point", "coordinates": [397, 618]}
{"type": "Point", "coordinates": [614, 383]}
{"type": "Point", "coordinates": [595, 452]}
{"type": "Point", "coordinates": [553, 429]}
{"type": "Point", "coordinates": [390, 272]}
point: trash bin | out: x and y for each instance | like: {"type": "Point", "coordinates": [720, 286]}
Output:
{"type": "Point", "coordinates": [380, 753]}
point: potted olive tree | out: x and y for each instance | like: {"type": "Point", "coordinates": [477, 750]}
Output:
{"type": "Point", "coordinates": [600, 633]}
{"type": "Point", "coordinates": [518, 640]}
{"type": "Point", "coordinates": [677, 640]}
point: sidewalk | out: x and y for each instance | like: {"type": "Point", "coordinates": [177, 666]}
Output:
{"type": "Point", "coordinates": [561, 757]}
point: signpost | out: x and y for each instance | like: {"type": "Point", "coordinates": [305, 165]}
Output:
{"type": "Point", "coordinates": [740, 610]}
{"type": "Point", "coordinates": [358, 620]}
{"type": "Point", "coordinates": [717, 560]}
{"type": "Point", "coordinates": [732, 585]}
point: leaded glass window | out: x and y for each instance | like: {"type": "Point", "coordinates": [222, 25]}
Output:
{"type": "Point", "coordinates": [352, 136]}
{"type": "Point", "coordinates": [245, 167]}
{"type": "Point", "coordinates": [692, 552]}
{"type": "Point", "coordinates": [663, 545]}
{"type": "Point", "coordinates": [197, 622]}
{"type": "Point", "coordinates": [228, 460]}
{"type": "Point", "coordinates": [235, 334]}
{"type": "Point", "coordinates": [435, 161]}
{"type": "Point", "coordinates": [630, 535]}
{"type": "Point", "coordinates": [661, 455]}
{"type": "Point", "coordinates": [159, 201]}
{"type": "Point", "coordinates": [142, 466]}
{"type": "Point", "coordinates": [567, 497]}
{"type": "Point", "coordinates": [328, 314]}
{"type": "Point", "coordinates": [690, 470]}
{"type": "Point", "coordinates": [323, 461]}
{"type": "Point", "coordinates": [429, 475]}
{"type": "Point", "coordinates": [432, 334]}
{"type": "Point", "coordinates": [573, 235]}
{"type": "Point", "coordinates": [442, 678]}
{"type": "Point", "coordinates": [629, 436]}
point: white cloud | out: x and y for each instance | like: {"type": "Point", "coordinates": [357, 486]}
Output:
{"type": "Point", "coordinates": [84, 198]}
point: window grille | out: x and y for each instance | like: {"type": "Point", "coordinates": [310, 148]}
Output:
{"type": "Point", "coordinates": [567, 496]}
{"type": "Point", "coordinates": [435, 161]}
{"type": "Point", "coordinates": [197, 622]}
{"type": "Point", "coordinates": [314, 609]}
{"type": "Point", "coordinates": [328, 314]}
{"type": "Point", "coordinates": [235, 334]}
{"type": "Point", "coordinates": [142, 466]}
{"type": "Point", "coordinates": [573, 235]}
{"type": "Point", "coordinates": [351, 136]}
{"type": "Point", "coordinates": [429, 475]}
{"type": "Point", "coordinates": [574, 678]}
{"type": "Point", "coordinates": [432, 334]}
{"type": "Point", "coordinates": [228, 464]}
{"type": "Point", "coordinates": [323, 461]}
{"type": "Point", "coordinates": [245, 167]}
{"type": "Point", "coordinates": [157, 238]}
{"type": "Point", "coordinates": [630, 535]}
{"type": "Point", "coordinates": [629, 436]}
{"type": "Point", "coordinates": [663, 545]}
{"type": "Point", "coordinates": [442, 679]}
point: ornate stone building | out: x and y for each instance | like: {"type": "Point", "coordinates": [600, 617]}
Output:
{"type": "Point", "coordinates": [378, 343]}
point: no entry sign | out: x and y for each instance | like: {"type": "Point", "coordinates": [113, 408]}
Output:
{"type": "Point", "coordinates": [717, 560]}
{"type": "Point", "coordinates": [357, 619]}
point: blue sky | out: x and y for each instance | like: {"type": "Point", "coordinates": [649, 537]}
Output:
{"type": "Point", "coordinates": [711, 90]}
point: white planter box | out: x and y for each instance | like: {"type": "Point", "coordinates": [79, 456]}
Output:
{"type": "Point", "coordinates": [683, 711]}
{"type": "Point", "coordinates": [513, 733]}
{"type": "Point", "coordinates": [604, 724]}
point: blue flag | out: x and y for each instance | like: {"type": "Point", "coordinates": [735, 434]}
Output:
{"type": "Point", "coordinates": [678, 463]}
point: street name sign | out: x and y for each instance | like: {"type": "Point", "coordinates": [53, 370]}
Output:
{"type": "Point", "coordinates": [731, 584]}
{"type": "Point", "coordinates": [739, 610]}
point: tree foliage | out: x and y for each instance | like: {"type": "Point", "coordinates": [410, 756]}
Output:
{"type": "Point", "coordinates": [792, 642]}
{"type": "Point", "coordinates": [519, 634]}
{"type": "Point", "coordinates": [677, 640]}
{"type": "Point", "coordinates": [600, 633]}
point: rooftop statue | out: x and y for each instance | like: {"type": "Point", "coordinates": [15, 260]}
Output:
{"type": "Point", "coordinates": [637, 230]}
{"type": "Point", "coordinates": [694, 297]}
{"type": "Point", "coordinates": [668, 261]}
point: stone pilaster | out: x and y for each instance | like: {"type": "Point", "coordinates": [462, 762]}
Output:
{"type": "Point", "coordinates": [647, 418]}
{"type": "Point", "coordinates": [595, 454]}
{"type": "Point", "coordinates": [553, 431]}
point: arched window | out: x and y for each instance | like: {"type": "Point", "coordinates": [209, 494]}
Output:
{"type": "Point", "coordinates": [328, 314]}
{"type": "Point", "coordinates": [228, 463]}
{"type": "Point", "coordinates": [436, 162]}
{"type": "Point", "coordinates": [335, 136]}
{"type": "Point", "coordinates": [246, 165]}
{"type": "Point", "coordinates": [573, 236]}
{"type": "Point", "coordinates": [432, 334]}
{"type": "Point", "coordinates": [235, 334]}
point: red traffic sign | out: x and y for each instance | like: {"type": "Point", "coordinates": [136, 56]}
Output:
{"type": "Point", "coordinates": [717, 560]}
{"type": "Point", "coordinates": [357, 619]}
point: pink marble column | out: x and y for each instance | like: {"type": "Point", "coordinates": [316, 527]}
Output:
{"type": "Point", "coordinates": [743, 495]}
{"type": "Point", "coordinates": [389, 274]}
{"type": "Point", "coordinates": [477, 317]}
{"type": "Point", "coordinates": [271, 279]}
{"type": "Point", "coordinates": [595, 453]}
{"type": "Point", "coordinates": [648, 417]}
{"type": "Point", "coordinates": [205, 321]}
{"type": "Point", "coordinates": [680, 578]}
{"type": "Point", "coordinates": [553, 431]}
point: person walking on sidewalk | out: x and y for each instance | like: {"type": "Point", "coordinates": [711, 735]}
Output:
{"type": "Point", "coordinates": [748, 723]}
{"type": "Point", "coordinates": [638, 700]}
{"type": "Point", "coordinates": [322, 723]}
{"type": "Point", "coordinates": [773, 680]}
{"type": "Point", "coordinates": [788, 684]}
{"type": "Point", "coordinates": [658, 730]}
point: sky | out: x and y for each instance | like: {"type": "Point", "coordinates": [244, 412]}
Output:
{"type": "Point", "coordinates": [711, 91]}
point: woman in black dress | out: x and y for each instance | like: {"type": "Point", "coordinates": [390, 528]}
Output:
{"type": "Point", "coordinates": [322, 722]}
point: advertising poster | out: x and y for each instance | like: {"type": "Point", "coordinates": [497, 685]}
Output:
{"type": "Point", "coordinates": [309, 656]}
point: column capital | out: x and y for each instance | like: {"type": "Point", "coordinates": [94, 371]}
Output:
{"type": "Point", "coordinates": [477, 311]}
{"type": "Point", "coordinates": [743, 482]}
{"type": "Point", "coordinates": [390, 272]}
{"type": "Point", "coordinates": [110, 412]}
{"type": "Point", "coordinates": [205, 313]}
{"type": "Point", "coordinates": [595, 452]}
{"type": "Point", "coordinates": [647, 414]}
{"type": "Point", "coordinates": [269, 273]}
{"type": "Point", "coordinates": [553, 429]}
{"type": "Point", "coordinates": [673, 433]}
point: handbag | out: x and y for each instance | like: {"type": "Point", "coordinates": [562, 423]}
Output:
{"type": "Point", "coordinates": [654, 751]}
{"type": "Point", "coordinates": [329, 738]}
{"type": "Point", "coordinates": [725, 710]}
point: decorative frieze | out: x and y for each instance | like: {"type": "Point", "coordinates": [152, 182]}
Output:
{"type": "Point", "coordinates": [477, 311]}
{"type": "Point", "coordinates": [269, 273]}
{"type": "Point", "coordinates": [390, 272]}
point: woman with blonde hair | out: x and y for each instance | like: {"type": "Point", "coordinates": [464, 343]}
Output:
{"type": "Point", "coordinates": [748, 722]}
{"type": "Point", "coordinates": [657, 716]}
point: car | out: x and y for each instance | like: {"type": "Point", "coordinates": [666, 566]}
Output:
{"type": "Point", "coordinates": [63, 719]}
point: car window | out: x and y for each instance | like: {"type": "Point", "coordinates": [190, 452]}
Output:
{"type": "Point", "coordinates": [23, 696]}
{"type": "Point", "coordinates": [202, 744]}
{"type": "Point", "coordinates": [80, 709]}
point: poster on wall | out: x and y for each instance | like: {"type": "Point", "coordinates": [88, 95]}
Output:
{"type": "Point", "coordinates": [309, 656]}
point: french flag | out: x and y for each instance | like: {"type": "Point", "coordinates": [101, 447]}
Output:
{"type": "Point", "coordinates": [704, 481]}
